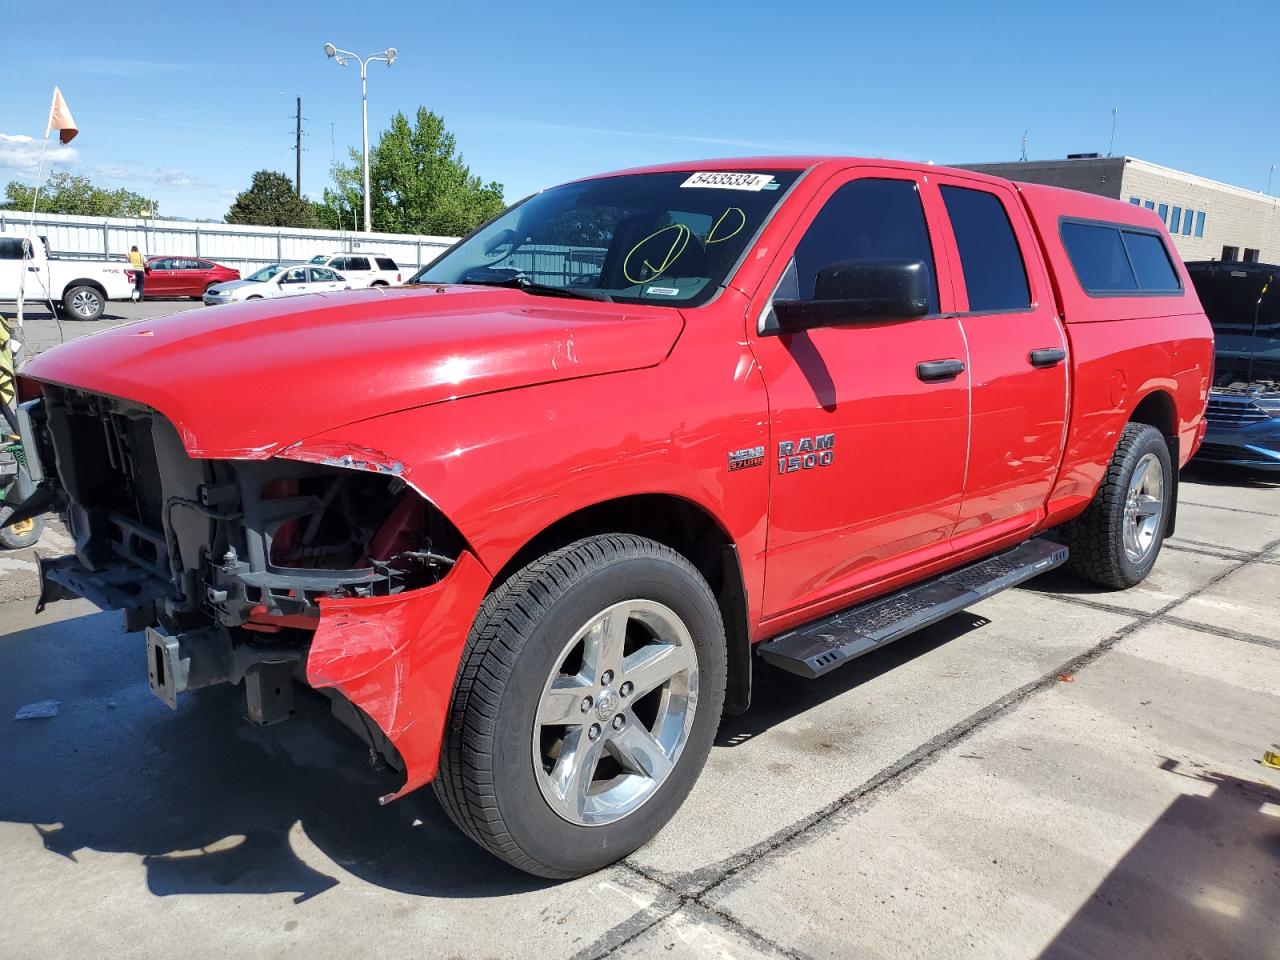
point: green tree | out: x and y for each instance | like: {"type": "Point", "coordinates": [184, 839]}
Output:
{"type": "Point", "coordinates": [418, 182]}
{"type": "Point", "coordinates": [271, 201]}
{"type": "Point", "coordinates": [67, 193]}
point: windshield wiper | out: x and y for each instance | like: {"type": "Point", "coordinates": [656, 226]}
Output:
{"type": "Point", "coordinates": [521, 282]}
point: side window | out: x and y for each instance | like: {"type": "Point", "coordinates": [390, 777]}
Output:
{"type": "Point", "coordinates": [295, 275]}
{"type": "Point", "coordinates": [338, 263]}
{"type": "Point", "coordinates": [865, 220]}
{"type": "Point", "coordinates": [1151, 262]}
{"type": "Point", "coordinates": [12, 248]}
{"type": "Point", "coordinates": [162, 264]}
{"type": "Point", "coordinates": [1097, 254]}
{"type": "Point", "coordinates": [386, 263]}
{"type": "Point", "coordinates": [994, 272]}
{"type": "Point", "coordinates": [357, 263]}
{"type": "Point", "coordinates": [1112, 258]}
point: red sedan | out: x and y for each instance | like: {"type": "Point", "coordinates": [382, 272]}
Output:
{"type": "Point", "coordinates": [184, 276]}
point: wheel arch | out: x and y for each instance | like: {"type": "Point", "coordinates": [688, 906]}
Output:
{"type": "Point", "coordinates": [689, 529]}
{"type": "Point", "coordinates": [1158, 409]}
{"type": "Point", "coordinates": [85, 282]}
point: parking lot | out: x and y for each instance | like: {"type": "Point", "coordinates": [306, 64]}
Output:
{"type": "Point", "coordinates": [1057, 772]}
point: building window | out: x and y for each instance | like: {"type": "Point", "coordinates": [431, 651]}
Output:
{"type": "Point", "coordinates": [1163, 210]}
{"type": "Point", "coordinates": [1150, 204]}
{"type": "Point", "coordinates": [1135, 201]}
{"type": "Point", "coordinates": [1175, 220]}
{"type": "Point", "coordinates": [1200, 224]}
{"type": "Point", "coordinates": [1231, 253]}
{"type": "Point", "coordinates": [1186, 221]}
{"type": "Point", "coordinates": [1250, 255]}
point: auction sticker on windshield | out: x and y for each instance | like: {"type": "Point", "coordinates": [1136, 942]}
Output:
{"type": "Point", "coordinates": [721, 180]}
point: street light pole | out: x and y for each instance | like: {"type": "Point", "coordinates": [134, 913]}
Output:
{"type": "Point", "coordinates": [388, 57]}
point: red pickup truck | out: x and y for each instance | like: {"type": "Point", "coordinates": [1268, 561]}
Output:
{"type": "Point", "coordinates": [528, 521]}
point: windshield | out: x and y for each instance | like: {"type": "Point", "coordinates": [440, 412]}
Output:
{"type": "Point", "coordinates": [320, 258]}
{"type": "Point", "coordinates": [1243, 306]}
{"type": "Point", "coordinates": [266, 273]}
{"type": "Point", "coordinates": [669, 238]}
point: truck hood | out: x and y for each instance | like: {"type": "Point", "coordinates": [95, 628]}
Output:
{"type": "Point", "coordinates": [245, 380]}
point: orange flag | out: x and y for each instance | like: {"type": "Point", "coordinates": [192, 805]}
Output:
{"type": "Point", "coordinates": [60, 119]}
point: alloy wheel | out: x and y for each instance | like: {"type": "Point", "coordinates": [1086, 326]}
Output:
{"type": "Point", "coordinates": [615, 713]}
{"type": "Point", "coordinates": [1144, 508]}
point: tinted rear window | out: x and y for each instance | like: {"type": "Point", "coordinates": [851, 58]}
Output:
{"type": "Point", "coordinates": [1150, 262]}
{"type": "Point", "coordinates": [1114, 259]}
{"type": "Point", "coordinates": [386, 263]}
{"type": "Point", "coordinates": [994, 274]}
{"type": "Point", "coordinates": [357, 263]}
{"type": "Point", "coordinates": [1097, 253]}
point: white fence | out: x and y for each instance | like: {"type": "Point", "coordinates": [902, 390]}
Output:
{"type": "Point", "coordinates": [243, 247]}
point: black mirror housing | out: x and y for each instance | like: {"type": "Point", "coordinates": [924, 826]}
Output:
{"type": "Point", "coordinates": [860, 291]}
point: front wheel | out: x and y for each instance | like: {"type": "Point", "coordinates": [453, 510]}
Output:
{"type": "Point", "coordinates": [589, 694]}
{"type": "Point", "coordinates": [84, 302]}
{"type": "Point", "coordinates": [18, 535]}
{"type": "Point", "coordinates": [1115, 542]}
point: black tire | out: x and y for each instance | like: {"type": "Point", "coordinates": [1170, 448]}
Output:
{"type": "Point", "coordinates": [1096, 537]}
{"type": "Point", "coordinates": [486, 781]}
{"type": "Point", "coordinates": [27, 536]}
{"type": "Point", "coordinates": [83, 302]}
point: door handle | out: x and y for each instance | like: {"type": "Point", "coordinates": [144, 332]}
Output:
{"type": "Point", "coordinates": [1047, 357]}
{"type": "Point", "coordinates": [933, 370]}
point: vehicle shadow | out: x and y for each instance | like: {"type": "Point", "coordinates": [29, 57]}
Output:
{"type": "Point", "coordinates": [1201, 882]}
{"type": "Point", "coordinates": [1220, 475]}
{"type": "Point", "coordinates": [209, 802]}
{"type": "Point", "coordinates": [778, 696]}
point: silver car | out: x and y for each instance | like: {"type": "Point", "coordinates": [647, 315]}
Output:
{"type": "Point", "coordinates": [277, 280]}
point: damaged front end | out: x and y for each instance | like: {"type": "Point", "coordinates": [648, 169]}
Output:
{"type": "Point", "coordinates": [325, 570]}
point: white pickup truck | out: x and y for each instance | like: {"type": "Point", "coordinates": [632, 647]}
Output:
{"type": "Point", "coordinates": [79, 287]}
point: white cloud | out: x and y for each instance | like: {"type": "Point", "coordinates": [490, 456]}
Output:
{"type": "Point", "coordinates": [21, 154]}
{"type": "Point", "coordinates": [120, 67]}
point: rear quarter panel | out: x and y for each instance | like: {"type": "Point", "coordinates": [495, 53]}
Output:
{"type": "Point", "coordinates": [1123, 348]}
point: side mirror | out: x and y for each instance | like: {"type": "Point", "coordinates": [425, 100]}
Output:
{"type": "Point", "coordinates": [860, 291]}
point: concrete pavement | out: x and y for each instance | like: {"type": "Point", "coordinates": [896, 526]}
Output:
{"type": "Point", "coordinates": [1057, 772]}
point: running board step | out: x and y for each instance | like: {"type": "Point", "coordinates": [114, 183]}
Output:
{"type": "Point", "coordinates": [821, 646]}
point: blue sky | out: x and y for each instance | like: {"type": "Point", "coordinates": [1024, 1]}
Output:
{"type": "Point", "coordinates": [184, 107]}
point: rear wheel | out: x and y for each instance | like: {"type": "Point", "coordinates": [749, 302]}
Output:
{"type": "Point", "coordinates": [24, 534]}
{"type": "Point", "coordinates": [84, 302]}
{"type": "Point", "coordinates": [587, 700]}
{"type": "Point", "coordinates": [1115, 542]}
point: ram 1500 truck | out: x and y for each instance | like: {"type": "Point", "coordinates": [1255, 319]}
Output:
{"type": "Point", "coordinates": [528, 521]}
{"type": "Point", "coordinates": [79, 287]}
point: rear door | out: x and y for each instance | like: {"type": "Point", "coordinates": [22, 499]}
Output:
{"type": "Point", "coordinates": [324, 279]}
{"type": "Point", "coordinates": [358, 270]}
{"type": "Point", "coordinates": [867, 451]}
{"type": "Point", "coordinates": [1018, 360]}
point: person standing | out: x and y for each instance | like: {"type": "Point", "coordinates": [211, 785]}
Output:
{"type": "Point", "coordinates": [139, 272]}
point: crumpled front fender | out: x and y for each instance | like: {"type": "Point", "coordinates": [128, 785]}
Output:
{"type": "Point", "coordinates": [396, 659]}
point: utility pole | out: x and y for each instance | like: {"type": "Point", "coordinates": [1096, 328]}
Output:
{"type": "Point", "coordinates": [297, 149]}
{"type": "Point", "coordinates": [1115, 114]}
{"type": "Point", "coordinates": [1024, 146]}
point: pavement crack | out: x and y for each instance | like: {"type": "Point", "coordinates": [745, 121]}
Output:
{"type": "Point", "coordinates": [929, 752]}
{"type": "Point", "coordinates": [1225, 632]}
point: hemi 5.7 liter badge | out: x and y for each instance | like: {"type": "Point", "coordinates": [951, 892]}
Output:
{"type": "Point", "coordinates": [746, 457]}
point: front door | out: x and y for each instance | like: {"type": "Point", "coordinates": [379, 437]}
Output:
{"type": "Point", "coordinates": [294, 281]}
{"type": "Point", "coordinates": [159, 280]}
{"type": "Point", "coordinates": [1017, 356]}
{"type": "Point", "coordinates": [867, 451]}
